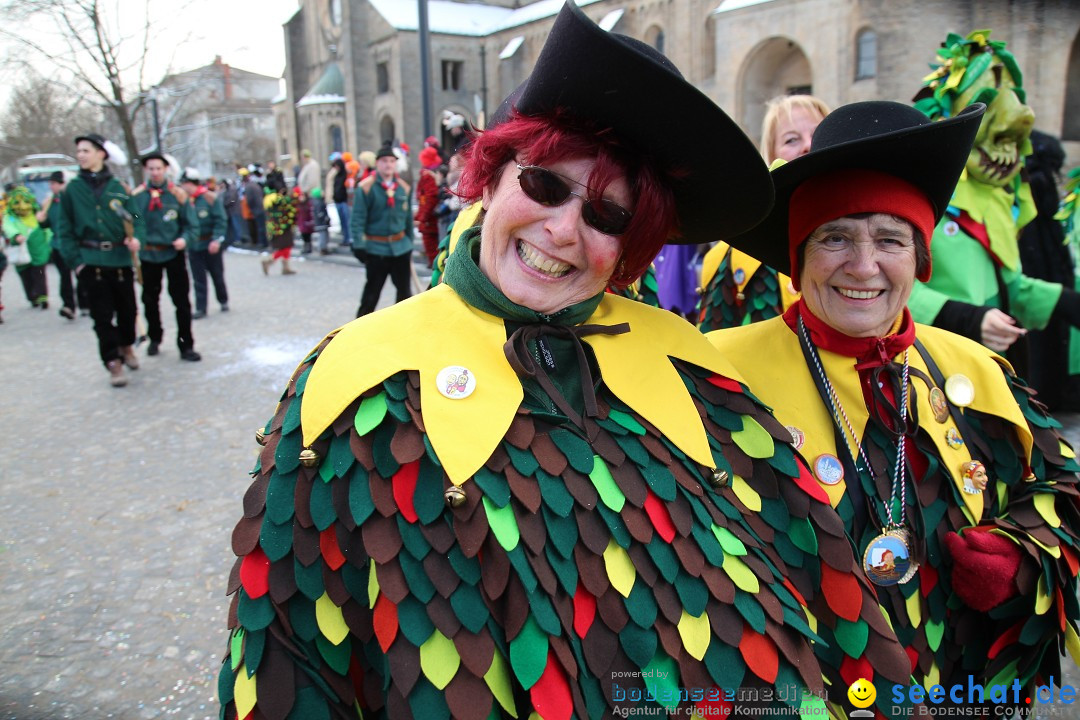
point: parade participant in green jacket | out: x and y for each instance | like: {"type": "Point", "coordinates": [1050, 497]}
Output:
{"type": "Point", "coordinates": [170, 226]}
{"type": "Point", "coordinates": [94, 239]}
{"type": "Point", "coordinates": [21, 227]}
{"type": "Point", "coordinates": [382, 230]}
{"type": "Point", "coordinates": [47, 216]}
{"type": "Point", "coordinates": [206, 253]}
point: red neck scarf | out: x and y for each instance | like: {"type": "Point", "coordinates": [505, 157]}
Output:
{"type": "Point", "coordinates": [200, 190]}
{"type": "Point", "coordinates": [390, 186]}
{"type": "Point", "coordinates": [155, 195]}
{"type": "Point", "coordinates": [869, 352]}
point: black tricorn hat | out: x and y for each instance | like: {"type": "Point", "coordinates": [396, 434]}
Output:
{"type": "Point", "coordinates": [880, 135]}
{"type": "Point", "coordinates": [152, 156]}
{"type": "Point", "coordinates": [721, 184]}
{"type": "Point", "coordinates": [94, 139]}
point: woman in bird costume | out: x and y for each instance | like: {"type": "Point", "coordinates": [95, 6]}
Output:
{"type": "Point", "coordinates": [952, 481]}
{"type": "Point", "coordinates": [518, 495]}
{"type": "Point", "coordinates": [736, 289]}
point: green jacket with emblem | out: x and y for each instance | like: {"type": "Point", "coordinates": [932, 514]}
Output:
{"type": "Point", "coordinates": [210, 220]}
{"type": "Point", "coordinates": [175, 219]}
{"type": "Point", "coordinates": [86, 217]}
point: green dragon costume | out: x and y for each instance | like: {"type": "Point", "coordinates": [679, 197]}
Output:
{"type": "Point", "coordinates": [1069, 215]}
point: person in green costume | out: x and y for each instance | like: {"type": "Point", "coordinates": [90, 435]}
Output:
{"type": "Point", "coordinates": [21, 227]}
{"type": "Point", "coordinates": [979, 289]}
{"type": "Point", "coordinates": [519, 495]}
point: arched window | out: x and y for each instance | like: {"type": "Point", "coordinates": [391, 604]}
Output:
{"type": "Point", "coordinates": [337, 144]}
{"type": "Point", "coordinates": [708, 48]}
{"type": "Point", "coordinates": [386, 129]}
{"type": "Point", "coordinates": [1071, 128]}
{"type": "Point", "coordinates": [655, 36]}
{"type": "Point", "coordinates": [866, 54]}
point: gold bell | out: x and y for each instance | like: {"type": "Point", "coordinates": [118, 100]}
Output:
{"type": "Point", "coordinates": [309, 458]}
{"type": "Point", "coordinates": [740, 296]}
{"type": "Point", "coordinates": [454, 496]}
{"type": "Point", "coordinates": [718, 478]}
{"type": "Point", "coordinates": [260, 436]}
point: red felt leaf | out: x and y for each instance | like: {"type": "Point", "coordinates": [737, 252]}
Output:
{"type": "Point", "coordinates": [759, 653]}
{"type": "Point", "coordinates": [1007, 638]}
{"type": "Point", "coordinates": [1059, 605]}
{"type": "Point", "coordinates": [852, 669]}
{"type": "Point", "coordinates": [1070, 560]}
{"type": "Point", "coordinates": [810, 486]}
{"type": "Point", "coordinates": [842, 593]}
{"type": "Point", "coordinates": [385, 622]}
{"type": "Point", "coordinates": [551, 694]}
{"type": "Point", "coordinates": [928, 579]}
{"type": "Point", "coordinates": [913, 657]}
{"type": "Point", "coordinates": [726, 383]}
{"type": "Point", "coordinates": [791, 589]}
{"type": "Point", "coordinates": [330, 551]}
{"type": "Point", "coordinates": [404, 482]}
{"type": "Point", "coordinates": [718, 707]}
{"type": "Point", "coordinates": [658, 514]}
{"type": "Point", "coordinates": [584, 610]}
{"type": "Point", "coordinates": [255, 572]}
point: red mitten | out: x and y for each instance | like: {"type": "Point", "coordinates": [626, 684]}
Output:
{"type": "Point", "coordinates": [984, 568]}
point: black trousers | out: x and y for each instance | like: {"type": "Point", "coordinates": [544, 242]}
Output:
{"type": "Point", "coordinates": [33, 282]}
{"type": "Point", "coordinates": [110, 294]}
{"type": "Point", "coordinates": [68, 290]}
{"type": "Point", "coordinates": [203, 261]}
{"type": "Point", "coordinates": [179, 286]}
{"type": "Point", "coordinates": [378, 268]}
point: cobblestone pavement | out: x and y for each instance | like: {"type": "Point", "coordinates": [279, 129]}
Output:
{"type": "Point", "coordinates": [118, 504]}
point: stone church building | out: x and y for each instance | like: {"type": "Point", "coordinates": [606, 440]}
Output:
{"type": "Point", "coordinates": [352, 74]}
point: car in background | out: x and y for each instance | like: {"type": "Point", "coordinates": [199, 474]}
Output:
{"type": "Point", "coordinates": [33, 171]}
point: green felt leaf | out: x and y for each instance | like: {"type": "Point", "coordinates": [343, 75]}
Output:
{"type": "Point", "coordinates": [627, 421]}
{"type": "Point", "coordinates": [428, 702]}
{"type": "Point", "coordinates": [309, 580]}
{"type": "Point", "coordinates": [661, 676]}
{"type": "Point", "coordinates": [385, 462]}
{"type": "Point", "coordinates": [801, 533]}
{"type": "Point", "coordinates": [575, 448]}
{"type": "Point", "coordinates": [852, 636]}
{"type": "Point", "coordinates": [795, 620]}
{"type": "Point", "coordinates": [633, 448]}
{"type": "Point", "coordinates": [340, 456]}
{"type": "Point", "coordinates": [693, 592]}
{"type": "Point", "coordinates": [616, 525]}
{"type": "Point", "coordinates": [276, 540]}
{"type": "Point", "coordinates": [639, 643]}
{"type": "Point", "coordinates": [544, 614]}
{"type": "Point", "coordinates": [371, 412]}
{"type": "Point", "coordinates": [439, 659]}
{"type": "Point", "coordinates": [291, 421]}
{"type": "Point", "coordinates": [280, 500]}
{"type": "Point", "coordinates": [416, 577]}
{"type": "Point", "coordinates": [326, 471]}
{"type": "Point", "coordinates": [610, 494]}
{"type": "Point", "coordinates": [503, 524]}
{"type": "Point", "coordinates": [525, 572]}
{"type": "Point", "coordinates": [236, 648]}
{"type": "Point", "coordinates": [336, 656]}
{"type": "Point", "coordinates": [254, 614]}
{"type": "Point", "coordinates": [725, 665]}
{"type": "Point", "coordinates": [753, 439]}
{"type": "Point", "coordinates": [664, 557]}
{"type": "Point", "coordinates": [564, 567]}
{"type": "Point", "coordinates": [934, 632]}
{"type": "Point", "coordinates": [322, 506]}
{"type": "Point", "coordinates": [640, 604]}
{"type": "Point", "coordinates": [468, 569]}
{"type": "Point", "coordinates": [710, 546]}
{"type": "Point", "coordinates": [360, 503]}
{"type": "Point", "coordinates": [751, 611]}
{"type": "Point", "coordinates": [396, 386]}
{"type": "Point", "coordinates": [774, 511]}
{"type": "Point", "coordinates": [302, 618]}
{"type": "Point", "coordinates": [660, 480]}
{"type": "Point", "coordinates": [469, 607]}
{"type": "Point", "coordinates": [495, 487]}
{"type": "Point", "coordinates": [398, 411]}
{"type": "Point", "coordinates": [731, 544]}
{"type": "Point", "coordinates": [528, 653]}
{"type": "Point", "coordinates": [522, 460]}
{"type": "Point", "coordinates": [413, 538]}
{"type": "Point", "coordinates": [554, 493]}
{"type": "Point", "coordinates": [310, 704]}
{"type": "Point", "coordinates": [413, 620]}
{"type": "Point", "coordinates": [355, 579]}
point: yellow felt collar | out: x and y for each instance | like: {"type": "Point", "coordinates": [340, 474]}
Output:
{"type": "Point", "coordinates": [785, 384]}
{"type": "Point", "coordinates": [711, 263]}
{"type": "Point", "coordinates": [437, 329]}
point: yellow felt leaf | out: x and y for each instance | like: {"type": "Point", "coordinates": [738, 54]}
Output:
{"type": "Point", "coordinates": [711, 262]}
{"type": "Point", "coordinates": [695, 633]}
{"type": "Point", "coordinates": [913, 610]}
{"type": "Point", "coordinates": [1066, 450]}
{"type": "Point", "coordinates": [934, 674]}
{"type": "Point", "coordinates": [372, 587]}
{"type": "Point", "coordinates": [331, 621]}
{"type": "Point", "coordinates": [1072, 642]}
{"type": "Point", "coordinates": [811, 619]}
{"type": "Point", "coordinates": [498, 679]}
{"type": "Point", "coordinates": [1054, 552]}
{"type": "Point", "coordinates": [1044, 503]}
{"type": "Point", "coordinates": [753, 439]}
{"type": "Point", "coordinates": [620, 568]}
{"type": "Point", "coordinates": [1043, 600]}
{"type": "Point", "coordinates": [745, 493]}
{"type": "Point", "coordinates": [740, 574]}
{"type": "Point", "coordinates": [439, 659]}
{"type": "Point", "coordinates": [244, 692]}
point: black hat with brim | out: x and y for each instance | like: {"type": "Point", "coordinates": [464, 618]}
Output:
{"type": "Point", "coordinates": [880, 135]}
{"type": "Point", "coordinates": [720, 183]}
{"type": "Point", "coordinates": [152, 156]}
{"type": "Point", "coordinates": [94, 139]}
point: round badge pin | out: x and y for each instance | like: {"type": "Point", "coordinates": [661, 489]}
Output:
{"type": "Point", "coordinates": [950, 228]}
{"type": "Point", "coordinates": [953, 439]}
{"type": "Point", "coordinates": [887, 560]}
{"type": "Point", "coordinates": [960, 390]}
{"type": "Point", "coordinates": [798, 437]}
{"type": "Point", "coordinates": [828, 469]}
{"type": "Point", "coordinates": [740, 276]}
{"type": "Point", "coordinates": [939, 405]}
{"type": "Point", "coordinates": [455, 382]}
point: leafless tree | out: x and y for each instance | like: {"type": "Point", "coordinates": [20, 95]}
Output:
{"type": "Point", "coordinates": [96, 45]}
{"type": "Point", "coordinates": [39, 119]}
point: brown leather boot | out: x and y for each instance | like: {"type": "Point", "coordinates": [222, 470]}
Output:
{"type": "Point", "coordinates": [116, 373]}
{"type": "Point", "coordinates": [129, 357]}
{"type": "Point", "coordinates": [285, 269]}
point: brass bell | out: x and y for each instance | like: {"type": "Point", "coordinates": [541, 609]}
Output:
{"type": "Point", "coordinates": [740, 296]}
{"type": "Point", "coordinates": [260, 436]}
{"type": "Point", "coordinates": [718, 478]}
{"type": "Point", "coordinates": [309, 458]}
{"type": "Point", "coordinates": [455, 496]}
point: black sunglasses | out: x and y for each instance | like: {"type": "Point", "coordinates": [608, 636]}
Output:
{"type": "Point", "coordinates": [551, 190]}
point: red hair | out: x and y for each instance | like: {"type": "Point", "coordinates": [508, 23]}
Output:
{"type": "Point", "coordinates": [552, 138]}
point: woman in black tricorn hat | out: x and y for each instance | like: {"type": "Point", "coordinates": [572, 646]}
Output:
{"type": "Point", "coordinates": [972, 533]}
{"type": "Point", "coordinates": [518, 495]}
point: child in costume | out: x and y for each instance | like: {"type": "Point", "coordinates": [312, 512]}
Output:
{"type": "Point", "coordinates": [21, 227]}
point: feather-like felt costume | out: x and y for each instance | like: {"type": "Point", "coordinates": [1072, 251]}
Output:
{"type": "Point", "coordinates": [1031, 499]}
{"type": "Point", "coordinates": [676, 547]}
{"type": "Point", "coordinates": [737, 289]}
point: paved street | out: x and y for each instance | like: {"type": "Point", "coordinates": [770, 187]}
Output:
{"type": "Point", "coordinates": [117, 504]}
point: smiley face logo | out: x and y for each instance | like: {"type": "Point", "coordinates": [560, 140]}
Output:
{"type": "Point", "coordinates": [862, 693]}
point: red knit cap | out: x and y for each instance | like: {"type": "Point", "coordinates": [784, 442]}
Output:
{"type": "Point", "coordinates": [849, 192]}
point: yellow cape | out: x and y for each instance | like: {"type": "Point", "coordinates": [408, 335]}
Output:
{"type": "Point", "coordinates": [437, 329]}
{"type": "Point", "coordinates": [740, 260]}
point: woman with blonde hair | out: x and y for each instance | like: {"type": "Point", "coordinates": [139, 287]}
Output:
{"type": "Point", "coordinates": [737, 289]}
